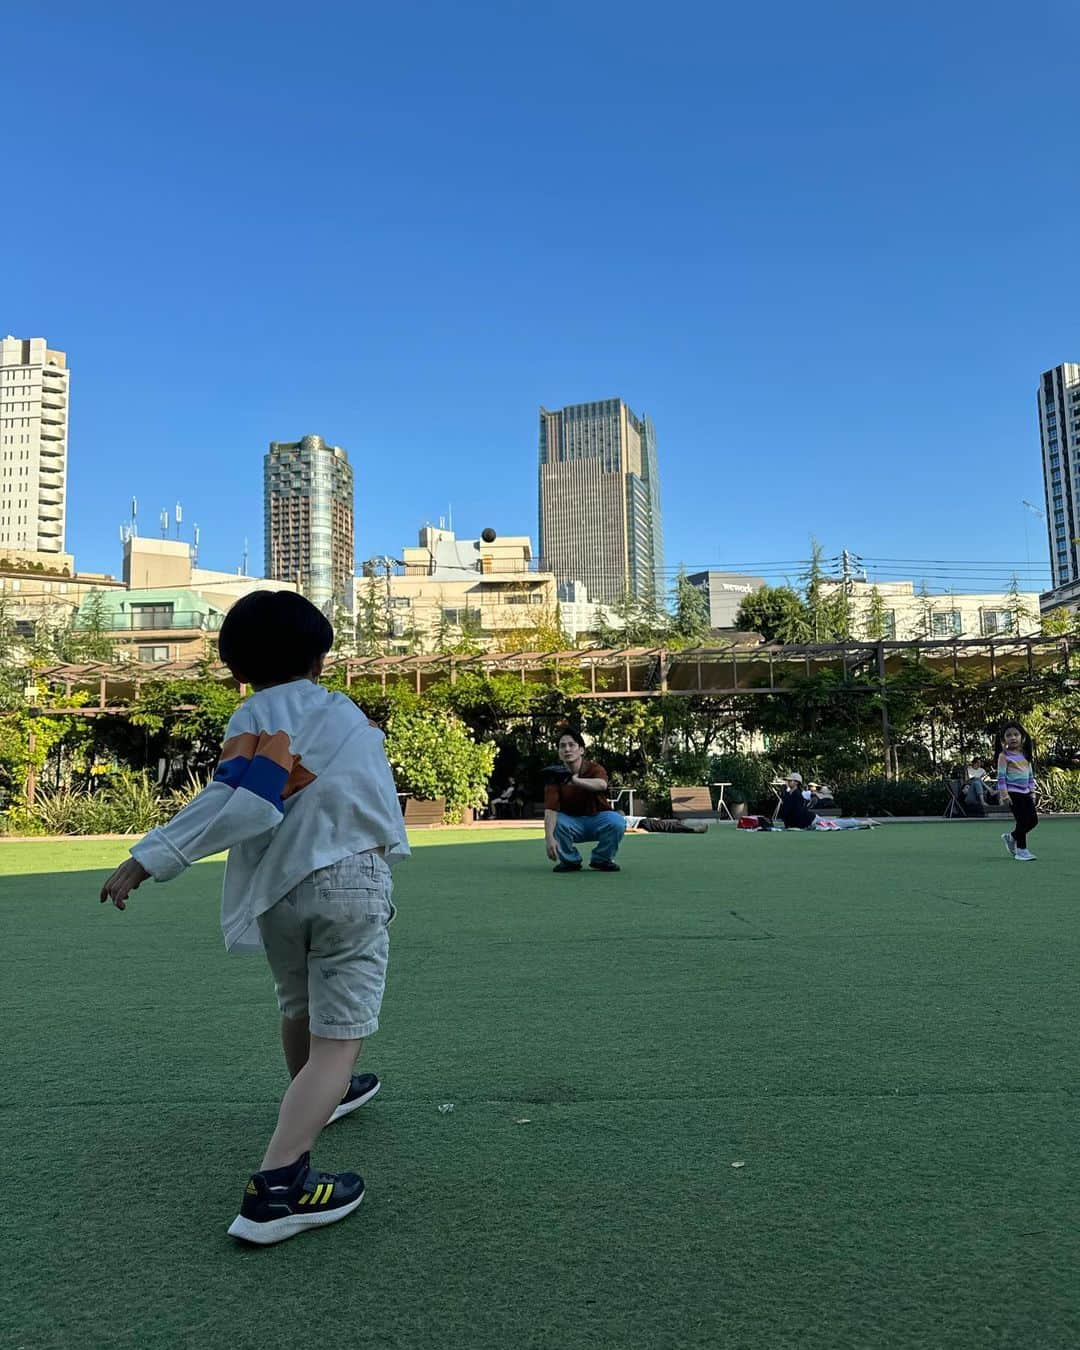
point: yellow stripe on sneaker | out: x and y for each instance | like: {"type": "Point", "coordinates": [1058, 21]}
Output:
{"type": "Point", "coordinates": [316, 1199]}
{"type": "Point", "coordinates": [304, 1199]}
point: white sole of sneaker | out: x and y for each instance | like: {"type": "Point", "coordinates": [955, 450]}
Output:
{"type": "Point", "coordinates": [346, 1107]}
{"type": "Point", "coordinates": [1010, 847]}
{"type": "Point", "coordinates": [278, 1230]}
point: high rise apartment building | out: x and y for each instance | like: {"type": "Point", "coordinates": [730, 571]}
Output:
{"type": "Point", "coordinates": [600, 519]}
{"type": "Point", "coordinates": [308, 515]}
{"type": "Point", "coordinates": [33, 446]}
{"type": "Point", "coordinates": [1059, 431]}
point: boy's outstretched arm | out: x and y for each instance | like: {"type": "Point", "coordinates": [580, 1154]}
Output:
{"type": "Point", "coordinates": [243, 801]}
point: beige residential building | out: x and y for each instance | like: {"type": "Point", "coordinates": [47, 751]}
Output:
{"type": "Point", "coordinates": [162, 609]}
{"type": "Point", "coordinates": [33, 446]}
{"type": "Point", "coordinates": [447, 587]}
{"type": "Point", "coordinates": [907, 614]}
{"type": "Point", "coordinates": [168, 609]}
{"type": "Point", "coordinates": [45, 588]}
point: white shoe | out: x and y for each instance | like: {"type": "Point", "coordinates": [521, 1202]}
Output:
{"type": "Point", "coordinates": [1009, 842]}
{"type": "Point", "coordinates": [1024, 855]}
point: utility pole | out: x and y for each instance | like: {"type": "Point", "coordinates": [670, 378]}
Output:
{"type": "Point", "coordinates": [388, 563]}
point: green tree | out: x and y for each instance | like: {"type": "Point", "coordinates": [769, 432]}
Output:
{"type": "Point", "coordinates": [778, 613]}
{"type": "Point", "coordinates": [86, 637]}
{"type": "Point", "coordinates": [816, 595]}
{"type": "Point", "coordinates": [371, 632]}
{"type": "Point", "coordinates": [876, 622]}
{"type": "Point", "coordinates": [1058, 622]}
{"type": "Point", "coordinates": [923, 626]}
{"type": "Point", "coordinates": [1021, 615]}
{"type": "Point", "coordinates": [344, 632]}
{"type": "Point", "coordinates": [189, 716]}
{"type": "Point", "coordinates": [690, 625]}
{"type": "Point", "coordinates": [434, 755]}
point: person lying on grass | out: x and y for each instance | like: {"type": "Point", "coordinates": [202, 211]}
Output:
{"type": "Point", "coordinates": [304, 801]}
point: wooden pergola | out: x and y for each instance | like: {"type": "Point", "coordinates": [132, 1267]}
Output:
{"type": "Point", "coordinates": [742, 666]}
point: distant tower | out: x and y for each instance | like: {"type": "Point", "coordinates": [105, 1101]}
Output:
{"type": "Point", "coordinates": [600, 519]}
{"type": "Point", "coordinates": [308, 513]}
{"type": "Point", "coordinates": [1059, 432]}
{"type": "Point", "coordinates": [33, 446]}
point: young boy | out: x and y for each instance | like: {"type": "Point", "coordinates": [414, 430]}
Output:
{"type": "Point", "coordinates": [304, 801]}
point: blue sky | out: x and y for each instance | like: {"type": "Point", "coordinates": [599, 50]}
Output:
{"type": "Point", "coordinates": [828, 248]}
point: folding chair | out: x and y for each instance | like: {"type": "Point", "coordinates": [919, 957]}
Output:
{"type": "Point", "coordinates": [955, 806]}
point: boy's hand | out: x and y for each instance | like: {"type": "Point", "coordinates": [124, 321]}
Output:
{"type": "Point", "coordinates": [127, 878]}
{"type": "Point", "coordinates": [552, 849]}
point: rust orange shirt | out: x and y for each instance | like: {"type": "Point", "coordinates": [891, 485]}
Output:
{"type": "Point", "coordinates": [574, 801]}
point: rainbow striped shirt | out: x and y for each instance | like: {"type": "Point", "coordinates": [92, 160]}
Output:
{"type": "Point", "coordinates": [1015, 773]}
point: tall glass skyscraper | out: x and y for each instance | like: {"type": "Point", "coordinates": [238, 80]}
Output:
{"type": "Point", "coordinates": [308, 517]}
{"type": "Point", "coordinates": [599, 490]}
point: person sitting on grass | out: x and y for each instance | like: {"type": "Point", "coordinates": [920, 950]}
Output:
{"type": "Point", "coordinates": [577, 810]}
{"type": "Point", "coordinates": [304, 801]}
{"type": "Point", "coordinates": [794, 811]}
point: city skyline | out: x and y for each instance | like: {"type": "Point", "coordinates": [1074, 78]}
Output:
{"type": "Point", "coordinates": [1055, 389]}
{"type": "Point", "coordinates": [786, 263]}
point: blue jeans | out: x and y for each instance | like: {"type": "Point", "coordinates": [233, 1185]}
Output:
{"type": "Point", "coordinates": [605, 829]}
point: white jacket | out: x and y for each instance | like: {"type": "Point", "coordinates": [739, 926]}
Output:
{"type": "Point", "coordinates": [302, 782]}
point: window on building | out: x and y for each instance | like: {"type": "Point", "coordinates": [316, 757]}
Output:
{"type": "Point", "coordinates": [147, 654]}
{"type": "Point", "coordinates": [946, 624]}
{"type": "Point", "coordinates": [152, 616]}
{"type": "Point", "coordinates": [994, 622]}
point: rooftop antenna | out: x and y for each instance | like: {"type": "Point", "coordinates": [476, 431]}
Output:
{"type": "Point", "coordinates": [244, 561]}
{"type": "Point", "coordinates": [195, 546]}
{"type": "Point", "coordinates": [134, 517]}
{"type": "Point", "coordinates": [164, 521]}
{"type": "Point", "coordinates": [179, 515]}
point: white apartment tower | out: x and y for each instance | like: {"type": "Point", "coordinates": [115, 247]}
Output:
{"type": "Point", "coordinates": [1059, 430]}
{"type": "Point", "coordinates": [33, 446]}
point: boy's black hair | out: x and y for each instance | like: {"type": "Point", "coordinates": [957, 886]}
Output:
{"type": "Point", "coordinates": [574, 735]}
{"type": "Point", "coordinates": [1025, 741]}
{"type": "Point", "coordinates": [269, 637]}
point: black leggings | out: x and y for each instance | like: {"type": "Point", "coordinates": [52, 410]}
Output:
{"type": "Point", "coordinates": [1025, 815]}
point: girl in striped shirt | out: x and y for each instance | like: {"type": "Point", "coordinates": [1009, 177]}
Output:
{"type": "Point", "coordinates": [1016, 785]}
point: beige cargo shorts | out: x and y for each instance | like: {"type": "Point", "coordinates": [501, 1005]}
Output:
{"type": "Point", "coordinates": [327, 944]}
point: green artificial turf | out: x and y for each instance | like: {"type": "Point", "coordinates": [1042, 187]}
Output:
{"type": "Point", "coordinates": [879, 1028]}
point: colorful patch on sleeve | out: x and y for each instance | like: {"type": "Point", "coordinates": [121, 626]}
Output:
{"type": "Point", "coordinates": [262, 764]}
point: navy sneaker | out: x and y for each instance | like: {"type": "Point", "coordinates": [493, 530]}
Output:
{"type": "Point", "coordinates": [362, 1087]}
{"type": "Point", "coordinates": [271, 1214]}
{"type": "Point", "coordinates": [605, 865]}
{"type": "Point", "coordinates": [566, 867]}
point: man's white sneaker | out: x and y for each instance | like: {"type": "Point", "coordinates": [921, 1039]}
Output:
{"type": "Point", "coordinates": [1024, 855]}
{"type": "Point", "coordinates": [1009, 842]}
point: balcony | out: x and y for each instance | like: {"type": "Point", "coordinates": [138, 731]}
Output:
{"type": "Point", "coordinates": [159, 622]}
{"type": "Point", "coordinates": [51, 432]}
